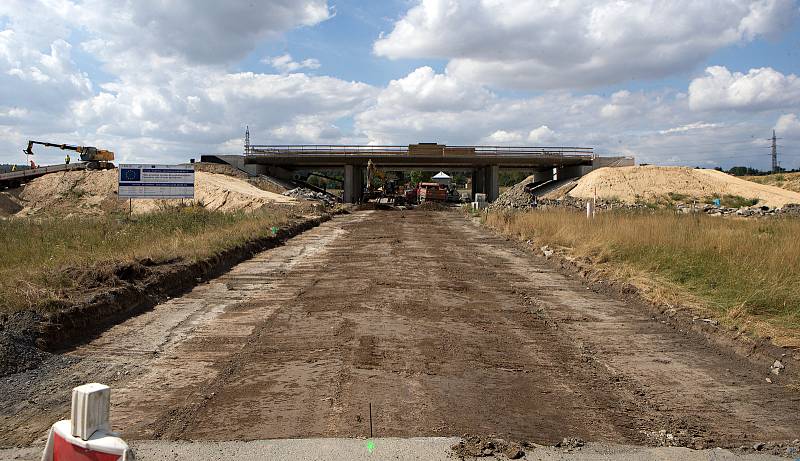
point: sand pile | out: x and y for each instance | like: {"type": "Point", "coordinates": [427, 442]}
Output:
{"type": "Point", "coordinates": [651, 183]}
{"type": "Point", "coordinates": [95, 192]}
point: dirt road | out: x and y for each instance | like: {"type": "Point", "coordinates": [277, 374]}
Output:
{"type": "Point", "coordinates": [444, 328]}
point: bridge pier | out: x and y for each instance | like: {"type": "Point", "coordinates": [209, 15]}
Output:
{"type": "Point", "coordinates": [353, 184]}
{"type": "Point", "coordinates": [486, 180]}
{"type": "Point", "coordinates": [492, 182]}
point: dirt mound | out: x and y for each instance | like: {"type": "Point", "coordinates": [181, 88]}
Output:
{"type": "Point", "coordinates": [651, 183]}
{"type": "Point", "coordinates": [473, 446]}
{"type": "Point", "coordinates": [9, 204]}
{"type": "Point", "coordinates": [433, 206]}
{"type": "Point", "coordinates": [95, 192]}
{"type": "Point", "coordinates": [220, 168]}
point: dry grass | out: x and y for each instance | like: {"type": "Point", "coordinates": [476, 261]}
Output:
{"type": "Point", "coordinates": [746, 271]}
{"type": "Point", "coordinates": [788, 181]}
{"type": "Point", "coordinates": [37, 253]}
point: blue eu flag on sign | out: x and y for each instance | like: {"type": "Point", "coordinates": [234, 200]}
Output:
{"type": "Point", "coordinates": [131, 174]}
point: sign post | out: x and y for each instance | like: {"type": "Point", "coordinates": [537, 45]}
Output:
{"type": "Point", "coordinates": [156, 182]}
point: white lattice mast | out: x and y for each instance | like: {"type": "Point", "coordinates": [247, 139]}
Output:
{"type": "Point", "coordinates": [247, 140]}
{"type": "Point", "coordinates": [774, 152]}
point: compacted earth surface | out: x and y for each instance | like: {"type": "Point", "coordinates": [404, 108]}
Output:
{"type": "Point", "coordinates": [440, 326]}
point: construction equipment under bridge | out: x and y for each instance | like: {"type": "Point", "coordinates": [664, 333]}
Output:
{"type": "Point", "coordinates": [485, 162]}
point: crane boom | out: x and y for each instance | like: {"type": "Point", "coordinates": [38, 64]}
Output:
{"type": "Point", "coordinates": [97, 158]}
{"type": "Point", "coordinates": [29, 150]}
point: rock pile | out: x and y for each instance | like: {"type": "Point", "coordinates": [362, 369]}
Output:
{"type": "Point", "coordinates": [472, 446]}
{"type": "Point", "coordinates": [308, 194]}
{"type": "Point", "coordinates": [517, 196]}
{"type": "Point", "coordinates": [683, 208]}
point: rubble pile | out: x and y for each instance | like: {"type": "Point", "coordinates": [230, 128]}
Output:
{"type": "Point", "coordinates": [517, 196]}
{"type": "Point", "coordinates": [308, 194]}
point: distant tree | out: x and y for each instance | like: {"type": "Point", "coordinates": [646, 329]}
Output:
{"type": "Point", "coordinates": [418, 176]}
{"type": "Point", "coordinates": [744, 171]}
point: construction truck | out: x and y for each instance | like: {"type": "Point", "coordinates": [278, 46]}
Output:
{"type": "Point", "coordinates": [96, 159]}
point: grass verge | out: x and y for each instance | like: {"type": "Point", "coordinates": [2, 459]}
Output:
{"type": "Point", "coordinates": [746, 272]}
{"type": "Point", "coordinates": [44, 258]}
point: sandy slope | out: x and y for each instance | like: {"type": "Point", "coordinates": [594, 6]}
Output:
{"type": "Point", "coordinates": [648, 183]}
{"type": "Point", "coordinates": [788, 181]}
{"type": "Point", "coordinates": [95, 192]}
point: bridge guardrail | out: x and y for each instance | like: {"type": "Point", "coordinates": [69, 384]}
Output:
{"type": "Point", "coordinates": [363, 150]}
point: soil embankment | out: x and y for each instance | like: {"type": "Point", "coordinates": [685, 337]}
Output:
{"type": "Point", "coordinates": [112, 296]}
{"type": "Point", "coordinates": [95, 192]}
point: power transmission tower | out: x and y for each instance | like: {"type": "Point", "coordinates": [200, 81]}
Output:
{"type": "Point", "coordinates": [774, 153]}
{"type": "Point", "coordinates": [775, 166]}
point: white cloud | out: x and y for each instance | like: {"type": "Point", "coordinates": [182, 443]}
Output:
{"type": "Point", "coordinates": [504, 137]}
{"type": "Point", "coordinates": [202, 32]}
{"type": "Point", "coordinates": [789, 125]}
{"type": "Point", "coordinates": [424, 89]}
{"type": "Point", "coordinates": [543, 134]}
{"type": "Point", "coordinates": [759, 89]}
{"type": "Point", "coordinates": [286, 64]}
{"type": "Point", "coordinates": [569, 43]}
{"type": "Point", "coordinates": [171, 94]}
{"type": "Point", "coordinates": [690, 127]}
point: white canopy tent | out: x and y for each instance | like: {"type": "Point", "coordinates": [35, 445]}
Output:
{"type": "Point", "coordinates": [442, 178]}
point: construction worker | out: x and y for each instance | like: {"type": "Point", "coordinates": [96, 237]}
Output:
{"type": "Point", "coordinates": [33, 165]}
{"type": "Point", "coordinates": [66, 160]}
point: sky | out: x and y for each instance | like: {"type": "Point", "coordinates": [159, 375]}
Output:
{"type": "Point", "coordinates": [696, 83]}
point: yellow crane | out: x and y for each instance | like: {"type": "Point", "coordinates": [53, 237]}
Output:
{"type": "Point", "coordinates": [94, 157]}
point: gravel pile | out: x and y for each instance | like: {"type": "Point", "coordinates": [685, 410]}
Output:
{"type": "Point", "coordinates": [517, 196]}
{"type": "Point", "coordinates": [308, 194]}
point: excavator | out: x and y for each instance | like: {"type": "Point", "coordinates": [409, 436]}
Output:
{"type": "Point", "coordinates": [95, 158]}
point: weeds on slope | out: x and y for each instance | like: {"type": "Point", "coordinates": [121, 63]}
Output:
{"type": "Point", "coordinates": [746, 271]}
{"type": "Point", "coordinates": [39, 255]}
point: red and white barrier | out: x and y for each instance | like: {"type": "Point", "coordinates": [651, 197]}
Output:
{"type": "Point", "coordinates": [87, 435]}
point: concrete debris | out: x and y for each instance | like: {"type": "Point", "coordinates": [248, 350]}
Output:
{"type": "Point", "coordinates": [777, 367]}
{"type": "Point", "coordinates": [547, 252]}
{"type": "Point", "coordinates": [517, 196]}
{"type": "Point", "coordinates": [768, 380]}
{"type": "Point", "coordinates": [758, 446]}
{"type": "Point", "coordinates": [472, 446]}
{"type": "Point", "coordinates": [308, 194]}
{"type": "Point", "coordinates": [571, 442]}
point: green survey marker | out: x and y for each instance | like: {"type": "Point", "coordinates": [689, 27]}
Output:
{"type": "Point", "coordinates": [274, 230]}
{"type": "Point", "coordinates": [370, 445]}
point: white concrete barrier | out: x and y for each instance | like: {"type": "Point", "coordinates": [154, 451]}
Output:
{"type": "Point", "coordinates": [87, 435]}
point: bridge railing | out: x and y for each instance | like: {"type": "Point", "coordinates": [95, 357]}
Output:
{"type": "Point", "coordinates": [366, 150]}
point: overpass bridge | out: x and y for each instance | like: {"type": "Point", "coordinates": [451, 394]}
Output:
{"type": "Point", "coordinates": [15, 179]}
{"type": "Point", "coordinates": [484, 162]}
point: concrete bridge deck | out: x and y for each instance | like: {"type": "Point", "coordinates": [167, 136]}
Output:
{"type": "Point", "coordinates": [485, 162]}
